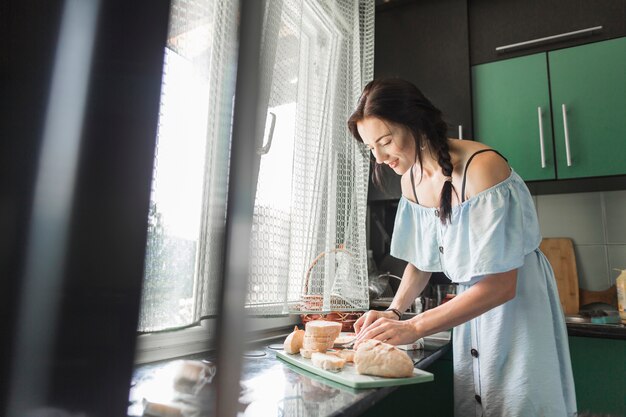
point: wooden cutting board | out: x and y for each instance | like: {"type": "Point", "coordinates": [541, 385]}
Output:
{"type": "Point", "coordinates": [560, 254]}
{"type": "Point", "coordinates": [350, 377]}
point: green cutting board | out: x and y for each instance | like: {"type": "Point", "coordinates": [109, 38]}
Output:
{"type": "Point", "coordinates": [348, 375]}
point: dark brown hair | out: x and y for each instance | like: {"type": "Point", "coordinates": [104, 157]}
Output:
{"type": "Point", "coordinates": [400, 102]}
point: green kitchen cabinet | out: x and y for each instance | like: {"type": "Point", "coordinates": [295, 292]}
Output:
{"type": "Point", "coordinates": [599, 367]}
{"type": "Point", "coordinates": [430, 399]}
{"type": "Point", "coordinates": [588, 83]}
{"type": "Point", "coordinates": [511, 101]}
{"type": "Point", "coordinates": [520, 103]}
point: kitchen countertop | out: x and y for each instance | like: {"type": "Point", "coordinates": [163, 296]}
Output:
{"type": "Point", "coordinates": [603, 331]}
{"type": "Point", "coordinates": [271, 387]}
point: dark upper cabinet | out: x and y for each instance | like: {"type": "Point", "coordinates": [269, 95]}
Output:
{"type": "Point", "coordinates": [426, 42]}
{"type": "Point", "coordinates": [499, 23]}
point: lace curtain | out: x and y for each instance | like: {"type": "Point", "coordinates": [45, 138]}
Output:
{"type": "Point", "coordinates": [309, 245]}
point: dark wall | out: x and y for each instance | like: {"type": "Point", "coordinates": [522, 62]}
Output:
{"type": "Point", "coordinates": [426, 42]}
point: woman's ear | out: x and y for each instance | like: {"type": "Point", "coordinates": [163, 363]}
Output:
{"type": "Point", "coordinates": [423, 142]}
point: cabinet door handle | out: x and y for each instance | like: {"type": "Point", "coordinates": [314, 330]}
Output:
{"type": "Point", "coordinates": [461, 132]}
{"type": "Point", "coordinates": [543, 153]}
{"type": "Point", "coordinates": [568, 154]}
{"type": "Point", "coordinates": [560, 36]}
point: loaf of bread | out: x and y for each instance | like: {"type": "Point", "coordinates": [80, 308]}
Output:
{"type": "Point", "coordinates": [321, 343]}
{"type": "Point", "coordinates": [318, 339]}
{"type": "Point", "coordinates": [347, 354]}
{"type": "Point", "coordinates": [374, 357]}
{"type": "Point", "coordinates": [328, 362]}
{"type": "Point", "coordinates": [320, 335]}
{"type": "Point", "coordinates": [293, 343]}
{"type": "Point", "coordinates": [323, 328]}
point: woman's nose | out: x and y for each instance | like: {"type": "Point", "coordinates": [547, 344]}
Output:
{"type": "Point", "coordinates": [379, 156]}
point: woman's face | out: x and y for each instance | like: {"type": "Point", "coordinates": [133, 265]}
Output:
{"type": "Point", "coordinates": [391, 144]}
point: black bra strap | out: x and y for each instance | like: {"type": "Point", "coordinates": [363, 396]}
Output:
{"type": "Point", "coordinates": [413, 185]}
{"type": "Point", "coordinates": [467, 165]}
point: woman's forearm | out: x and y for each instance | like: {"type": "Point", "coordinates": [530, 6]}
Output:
{"type": "Point", "coordinates": [412, 285]}
{"type": "Point", "coordinates": [490, 292]}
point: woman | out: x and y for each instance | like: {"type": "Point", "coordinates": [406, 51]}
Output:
{"type": "Point", "coordinates": [465, 212]}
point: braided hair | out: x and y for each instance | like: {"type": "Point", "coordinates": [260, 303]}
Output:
{"type": "Point", "coordinates": [398, 101]}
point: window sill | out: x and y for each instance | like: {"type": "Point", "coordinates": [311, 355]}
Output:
{"type": "Point", "coordinates": [155, 347]}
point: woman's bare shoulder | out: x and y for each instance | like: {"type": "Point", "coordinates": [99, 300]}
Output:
{"type": "Point", "coordinates": [485, 170]}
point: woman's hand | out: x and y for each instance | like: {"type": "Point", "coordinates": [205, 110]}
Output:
{"type": "Point", "coordinates": [384, 326]}
{"type": "Point", "coordinates": [370, 317]}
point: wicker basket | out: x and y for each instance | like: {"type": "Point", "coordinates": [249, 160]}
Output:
{"type": "Point", "coordinates": [346, 318]}
{"type": "Point", "coordinates": [310, 304]}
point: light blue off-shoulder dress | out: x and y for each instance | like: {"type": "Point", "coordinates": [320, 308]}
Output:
{"type": "Point", "coordinates": [514, 359]}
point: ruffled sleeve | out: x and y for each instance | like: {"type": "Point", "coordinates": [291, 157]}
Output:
{"type": "Point", "coordinates": [491, 233]}
{"type": "Point", "coordinates": [414, 236]}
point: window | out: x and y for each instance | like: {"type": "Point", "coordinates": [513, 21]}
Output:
{"type": "Point", "coordinates": [176, 200]}
{"type": "Point", "coordinates": [309, 217]}
{"type": "Point", "coordinates": [188, 200]}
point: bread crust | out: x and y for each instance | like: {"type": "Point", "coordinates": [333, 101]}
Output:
{"type": "Point", "coordinates": [307, 353]}
{"type": "Point", "coordinates": [320, 347]}
{"type": "Point", "coordinates": [347, 354]}
{"type": "Point", "coordinates": [320, 343]}
{"type": "Point", "coordinates": [328, 362]}
{"type": "Point", "coordinates": [293, 343]}
{"type": "Point", "coordinates": [323, 328]}
{"type": "Point", "coordinates": [320, 335]}
{"type": "Point", "coordinates": [374, 357]}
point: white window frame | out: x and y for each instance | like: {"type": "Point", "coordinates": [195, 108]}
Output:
{"type": "Point", "coordinates": [158, 346]}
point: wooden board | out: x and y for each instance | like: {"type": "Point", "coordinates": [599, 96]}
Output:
{"type": "Point", "coordinates": [560, 254]}
{"type": "Point", "coordinates": [348, 375]}
{"type": "Point", "coordinates": [608, 296]}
